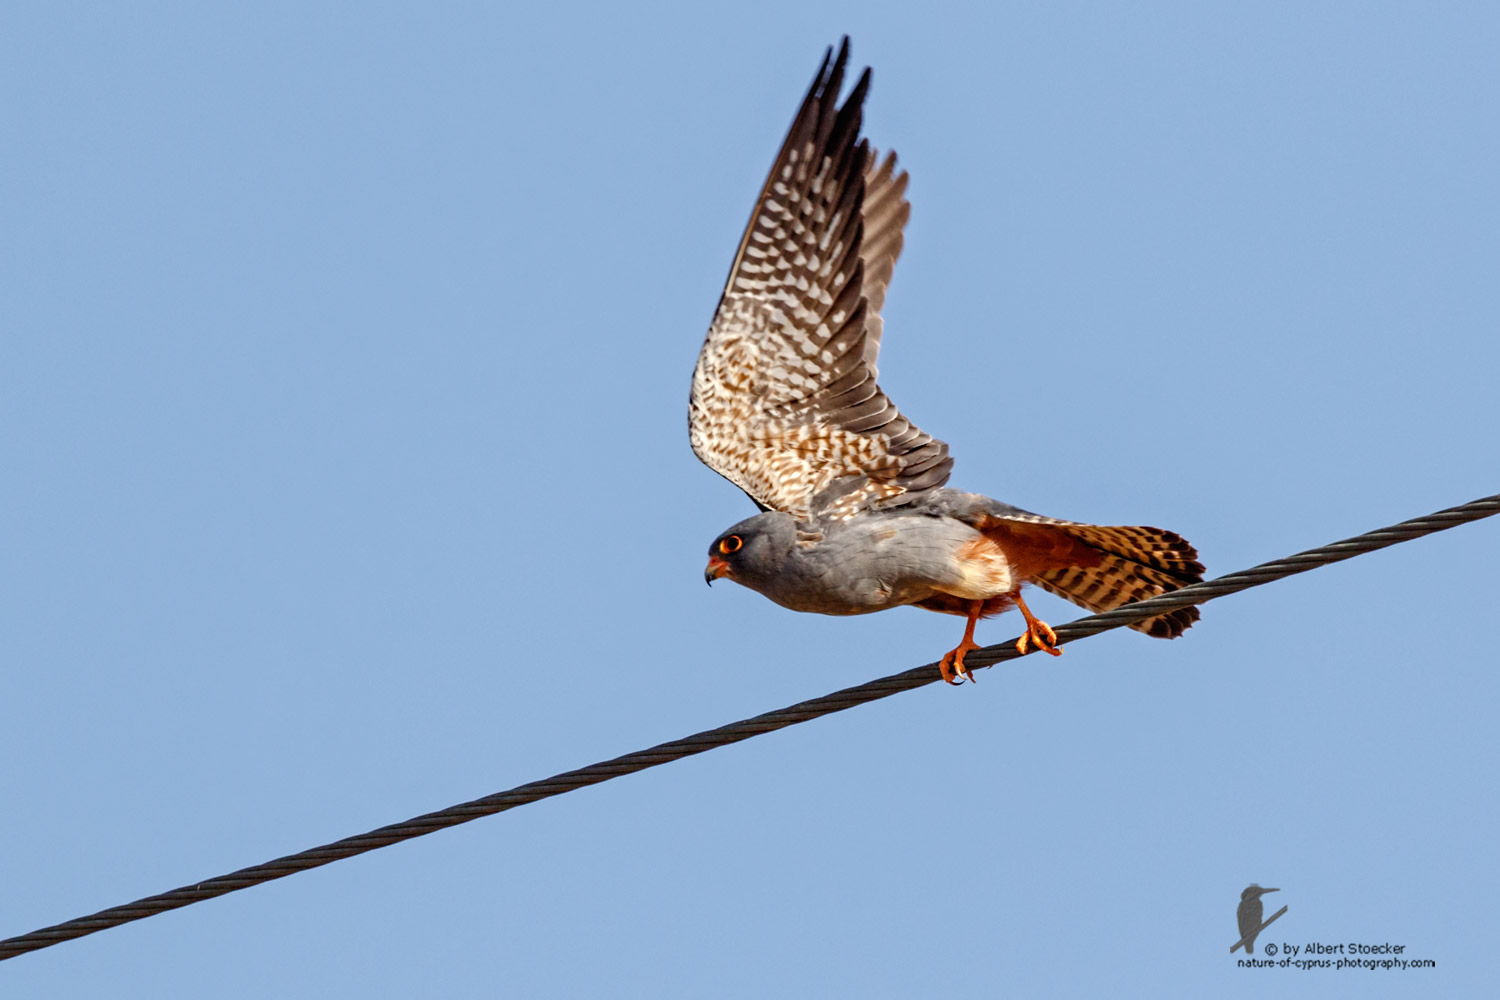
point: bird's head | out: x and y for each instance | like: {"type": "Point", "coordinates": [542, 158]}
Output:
{"type": "Point", "coordinates": [752, 552]}
{"type": "Point", "coordinates": [1255, 892]}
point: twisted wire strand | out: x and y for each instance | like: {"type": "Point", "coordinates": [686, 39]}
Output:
{"type": "Point", "coordinates": [663, 753]}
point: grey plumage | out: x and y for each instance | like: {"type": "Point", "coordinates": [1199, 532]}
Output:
{"type": "Point", "coordinates": [908, 554]}
{"type": "Point", "coordinates": [855, 567]}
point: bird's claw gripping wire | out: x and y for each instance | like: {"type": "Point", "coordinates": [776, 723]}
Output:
{"type": "Point", "coordinates": [1038, 633]}
{"type": "Point", "coordinates": [951, 666]}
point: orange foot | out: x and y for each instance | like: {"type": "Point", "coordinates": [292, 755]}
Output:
{"type": "Point", "coordinates": [951, 666]}
{"type": "Point", "coordinates": [1038, 633]}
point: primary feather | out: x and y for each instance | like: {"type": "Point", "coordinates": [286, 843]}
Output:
{"type": "Point", "coordinates": [784, 398]}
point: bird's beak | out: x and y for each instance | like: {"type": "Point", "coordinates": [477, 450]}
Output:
{"type": "Point", "coordinates": [715, 569]}
{"type": "Point", "coordinates": [1264, 891]}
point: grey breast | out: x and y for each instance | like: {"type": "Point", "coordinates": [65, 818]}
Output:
{"type": "Point", "coordinates": [870, 563]}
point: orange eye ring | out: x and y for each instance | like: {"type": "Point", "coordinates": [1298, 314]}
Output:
{"type": "Point", "coordinates": [731, 545]}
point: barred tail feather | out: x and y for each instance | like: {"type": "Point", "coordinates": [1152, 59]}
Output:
{"type": "Point", "coordinates": [1136, 563]}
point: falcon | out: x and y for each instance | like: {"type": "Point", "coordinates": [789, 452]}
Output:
{"type": "Point", "coordinates": [855, 516]}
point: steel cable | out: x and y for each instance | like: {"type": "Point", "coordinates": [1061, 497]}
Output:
{"type": "Point", "coordinates": [733, 733]}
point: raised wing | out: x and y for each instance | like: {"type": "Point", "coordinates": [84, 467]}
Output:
{"type": "Point", "coordinates": [784, 397]}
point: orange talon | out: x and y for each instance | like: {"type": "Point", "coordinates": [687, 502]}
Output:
{"type": "Point", "coordinates": [951, 666]}
{"type": "Point", "coordinates": [1037, 632]}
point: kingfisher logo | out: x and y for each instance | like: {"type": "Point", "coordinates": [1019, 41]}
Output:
{"type": "Point", "coordinates": [1249, 914]}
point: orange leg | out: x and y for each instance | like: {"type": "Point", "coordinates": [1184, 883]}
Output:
{"type": "Point", "coordinates": [952, 664]}
{"type": "Point", "coordinates": [1037, 631]}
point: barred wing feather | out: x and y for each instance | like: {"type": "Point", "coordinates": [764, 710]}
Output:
{"type": "Point", "coordinates": [784, 399]}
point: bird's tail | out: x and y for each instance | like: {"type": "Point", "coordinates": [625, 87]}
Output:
{"type": "Point", "coordinates": [1135, 563]}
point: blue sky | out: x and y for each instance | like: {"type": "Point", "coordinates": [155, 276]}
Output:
{"type": "Point", "coordinates": [342, 410]}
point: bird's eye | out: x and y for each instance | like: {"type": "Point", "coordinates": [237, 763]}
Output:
{"type": "Point", "coordinates": [731, 545]}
